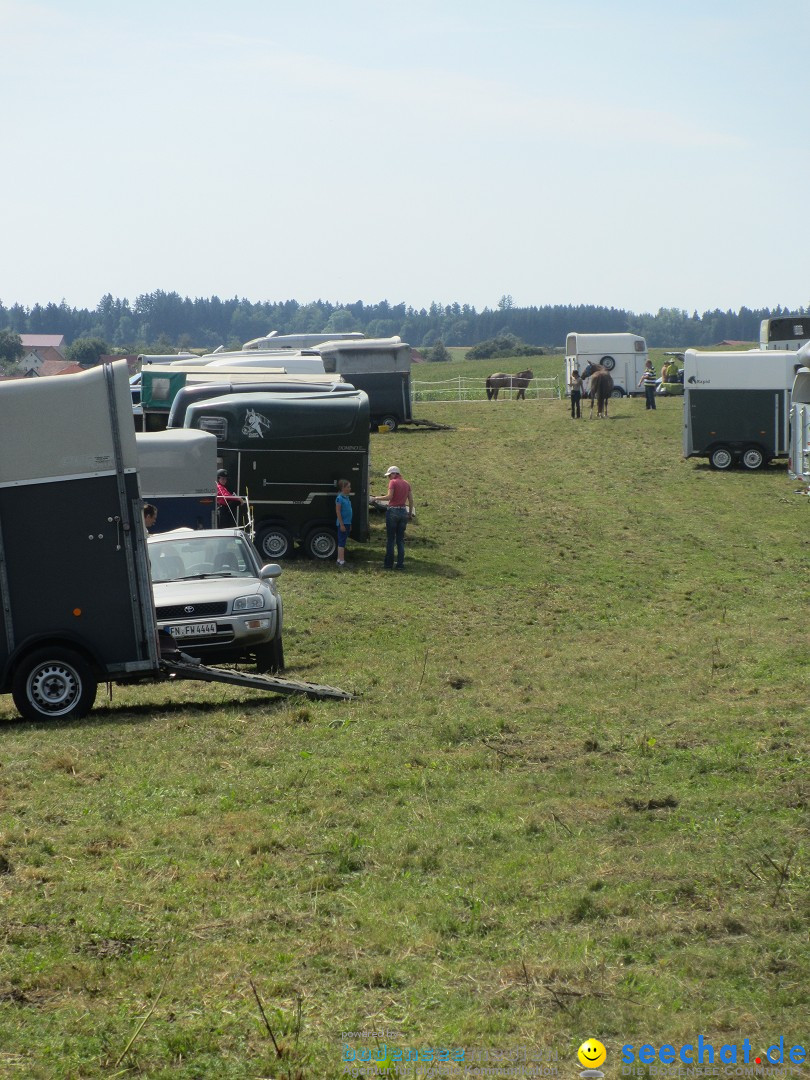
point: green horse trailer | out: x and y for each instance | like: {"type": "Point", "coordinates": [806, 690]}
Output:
{"type": "Point", "coordinates": [285, 454]}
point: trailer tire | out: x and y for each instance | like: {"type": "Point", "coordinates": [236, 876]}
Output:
{"type": "Point", "coordinates": [54, 684]}
{"type": "Point", "coordinates": [753, 458]}
{"type": "Point", "coordinates": [389, 421]}
{"type": "Point", "coordinates": [274, 542]}
{"type": "Point", "coordinates": [270, 657]}
{"type": "Point", "coordinates": [321, 543]}
{"type": "Point", "coordinates": [608, 363]}
{"type": "Point", "coordinates": [617, 392]}
{"type": "Point", "coordinates": [721, 458]}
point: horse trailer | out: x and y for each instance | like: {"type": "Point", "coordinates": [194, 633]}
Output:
{"type": "Point", "coordinates": [177, 471]}
{"type": "Point", "coordinates": [623, 355]}
{"type": "Point", "coordinates": [736, 406]}
{"type": "Point", "coordinates": [200, 391]}
{"type": "Point", "coordinates": [292, 361]}
{"type": "Point", "coordinates": [285, 453]}
{"type": "Point", "coordinates": [799, 457]}
{"type": "Point", "coordinates": [161, 384]}
{"type": "Point", "coordinates": [379, 366]}
{"type": "Point", "coordinates": [785, 333]}
{"type": "Point", "coordinates": [79, 610]}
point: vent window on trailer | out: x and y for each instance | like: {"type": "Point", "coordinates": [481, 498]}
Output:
{"type": "Point", "coordinates": [217, 425]}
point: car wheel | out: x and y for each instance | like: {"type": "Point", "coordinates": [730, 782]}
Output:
{"type": "Point", "coordinates": [752, 458]}
{"type": "Point", "coordinates": [54, 684]}
{"type": "Point", "coordinates": [389, 422]}
{"type": "Point", "coordinates": [321, 543]}
{"type": "Point", "coordinates": [274, 542]}
{"type": "Point", "coordinates": [721, 458]}
{"type": "Point", "coordinates": [270, 657]}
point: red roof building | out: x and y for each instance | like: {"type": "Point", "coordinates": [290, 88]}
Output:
{"type": "Point", "coordinates": [43, 341]}
{"type": "Point", "coordinates": [41, 349]}
{"type": "Point", "coordinates": [59, 367]}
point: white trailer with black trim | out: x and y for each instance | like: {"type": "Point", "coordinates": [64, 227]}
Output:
{"type": "Point", "coordinates": [736, 406]}
{"type": "Point", "coordinates": [623, 355]}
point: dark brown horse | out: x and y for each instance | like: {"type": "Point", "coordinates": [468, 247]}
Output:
{"type": "Point", "coordinates": [501, 381]}
{"type": "Point", "coordinates": [601, 388]}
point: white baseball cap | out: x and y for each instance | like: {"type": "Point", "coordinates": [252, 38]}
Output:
{"type": "Point", "coordinates": [392, 470]}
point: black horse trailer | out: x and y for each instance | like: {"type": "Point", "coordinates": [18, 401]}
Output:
{"type": "Point", "coordinates": [382, 368]}
{"type": "Point", "coordinates": [82, 612]}
{"type": "Point", "coordinates": [285, 453]}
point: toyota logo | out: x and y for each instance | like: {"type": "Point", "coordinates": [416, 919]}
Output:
{"type": "Point", "coordinates": [189, 608]}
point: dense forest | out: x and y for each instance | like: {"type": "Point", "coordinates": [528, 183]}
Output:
{"type": "Point", "coordinates": [161, 320]}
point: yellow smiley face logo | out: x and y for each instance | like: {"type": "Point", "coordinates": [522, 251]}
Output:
{"type": "Point", "coordinates": [592, 1054]}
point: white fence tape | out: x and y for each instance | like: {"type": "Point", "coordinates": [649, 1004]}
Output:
{"type": "Point", "coordinates": [461, 389]}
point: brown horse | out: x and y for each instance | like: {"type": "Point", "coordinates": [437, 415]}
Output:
{"type": "Point", "coordinates": [501, 381]}
{"type": "Point", "coordinates": [601, 388]}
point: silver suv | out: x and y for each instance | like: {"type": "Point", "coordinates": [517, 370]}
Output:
{"type": "Point", "coordinates": [215, 598]}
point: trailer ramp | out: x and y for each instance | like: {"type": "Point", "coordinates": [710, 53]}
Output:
{"type": "Point", "coordinates": [200, 673]}
{"type": "Point", "coordinates": [432, 425]}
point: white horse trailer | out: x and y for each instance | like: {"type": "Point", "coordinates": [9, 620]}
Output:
{"type": "Point", "coordinates": [736, 406]}
{"type": "Point", "coordinates": [799, 457]}
{"type": "Point", "coordinates": [623, 355]}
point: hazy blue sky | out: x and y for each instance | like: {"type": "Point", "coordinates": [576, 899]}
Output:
{"type": "Point", "coordinates": [636, 154]}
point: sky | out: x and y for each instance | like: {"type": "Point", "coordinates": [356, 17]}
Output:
{"type": "Point", "coordinates": [636, 154]}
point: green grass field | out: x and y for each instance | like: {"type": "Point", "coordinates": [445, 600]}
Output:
{"type": "Point", "coordinates": [569, 801]}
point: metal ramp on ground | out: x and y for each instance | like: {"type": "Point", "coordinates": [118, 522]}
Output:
{"type": "Point", "coordinates": [170, 669]}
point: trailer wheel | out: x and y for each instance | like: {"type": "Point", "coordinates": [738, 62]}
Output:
{"type": "Point", "coordinates": [617, 392]}
{"type": "Point", "coordinates": [270, 657]}
{"type": "Point", "coordinates": [274, 542]}
{"type": "Point", "coordinates": [608, 363]}
{"type": "Point", "coordinates": [54, 684]}
{"type": "Point", "coordinates": [389, 421]}
{"type": "Point", "coordinates": [752, 458]}
{"type": "Point", "coordinates": [721, 458]}
{"type": "Point", "coordinates": [321, 543]}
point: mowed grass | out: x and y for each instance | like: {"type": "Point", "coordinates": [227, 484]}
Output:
{"type": "Point", "coordinates": [569, 800]}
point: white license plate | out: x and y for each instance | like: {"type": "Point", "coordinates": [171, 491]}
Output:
{"type": "Point", "coordinates": [200, 629]}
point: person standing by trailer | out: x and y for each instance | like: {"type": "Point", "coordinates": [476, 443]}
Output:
{"type": "Point", "coordinates": [149, 516]}
{"type": "Point", "coordinates": [343, 511]}
{"type": "Point", "coordinates": [397, 516]}
{"type": "Point", "coordinates": [227, 503]}
{"type": "Point", "coordinates": [575, 388]}
{"type": "Point", "coordinates": [648, 380]}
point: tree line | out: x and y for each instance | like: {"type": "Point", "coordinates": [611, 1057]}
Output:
{"type": "Point", "coordinates": [160, 321]}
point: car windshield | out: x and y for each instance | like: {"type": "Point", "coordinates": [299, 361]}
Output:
{"type": "Point", "coordinates": [200, 556]}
